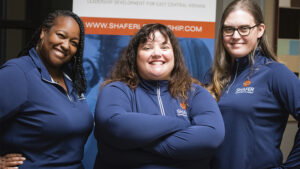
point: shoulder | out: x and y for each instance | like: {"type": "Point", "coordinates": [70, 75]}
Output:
{"type": "Point", "coordinates": [200, 95]}
{"type": "Point", "coordinates": [198, 89]}
{"type": "Point", "coordinates": [279, 70]}
{"type": "Point", "coordinates": [274, 66]}
{"type": "Point", "coordinates": [207, 77]}
{"type": "Point", "coordinates": [279, 77]}
{"type": "Point", "coordinates": [23, 64]}
{"type": "Point", "coordinates": [13, 74]}
{"type": "Point", "coordinates": [117, 85]}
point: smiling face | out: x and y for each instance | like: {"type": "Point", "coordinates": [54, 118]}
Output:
{"type": "Point", "coordinates": [59, 43]}
{"type": "Point", "coordinates": [155, 58]}
{"type": "Point", "coordinates": [236, 45]}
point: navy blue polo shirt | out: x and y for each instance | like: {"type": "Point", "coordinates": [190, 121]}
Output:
{"type": "Point", "coordinates": [38, 118]}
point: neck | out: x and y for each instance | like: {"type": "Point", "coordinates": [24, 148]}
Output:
{"type": "Point", "coordinates": [55, 73]}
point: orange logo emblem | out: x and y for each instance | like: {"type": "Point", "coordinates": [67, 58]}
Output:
{"type": "Point", "coordinates": [183, 105]}
{"type": "Point", "coordinates": [247, 83]}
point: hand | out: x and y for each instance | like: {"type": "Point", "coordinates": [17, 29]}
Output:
{"type": "Point", "coordinates": [11, 161]}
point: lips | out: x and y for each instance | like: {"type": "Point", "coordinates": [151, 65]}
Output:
{"type": "Point", "coordinates": [236, 44]}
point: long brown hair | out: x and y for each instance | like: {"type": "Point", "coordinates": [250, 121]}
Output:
{"type": "Point", "coordinates": [125, 69]}
{"type": "Point", "coordinates": [222, 67]}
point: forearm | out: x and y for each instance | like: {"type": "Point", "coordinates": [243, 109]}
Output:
{"type": "Point", "coordinates": [192, 143]}
{"type": "Point", "coordinates": [200, 139]}
{"type": "Point", "coordinates": [133, 130]}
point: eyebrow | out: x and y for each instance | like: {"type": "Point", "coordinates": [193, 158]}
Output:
{"type": "Point", "coordinates": [166, 42]}
{"type": "Point", "coordinates": [234, 26]}
{"type": "Point", "coordinates": [65, 32]}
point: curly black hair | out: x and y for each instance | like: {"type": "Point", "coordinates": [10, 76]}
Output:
{"type": "Point", "coordinates": [76, 69]}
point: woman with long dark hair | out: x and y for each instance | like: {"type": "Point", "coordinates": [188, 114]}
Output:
{"type": "Point", "coordinates": [43, 113]}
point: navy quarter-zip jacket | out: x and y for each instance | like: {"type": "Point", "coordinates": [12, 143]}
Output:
{"type": "Point", "coordinates": [148, 128]}
{"type": "Point", "coordinates": [256, 114]}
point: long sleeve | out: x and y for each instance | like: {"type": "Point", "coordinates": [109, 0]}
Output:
{"type": "Point", "coordinates": [202, 138]}
{"type": "Point", "coordinates": [117, 124]}
{"type": "Point", "coordinates": [286, 88]}
{"type": "Point", "coordinates": [13, 90]}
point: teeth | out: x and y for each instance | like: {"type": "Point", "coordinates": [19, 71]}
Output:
{"type": "Point", "coordinates": [59, 52]}
{"type": "Point", "coordinates": [157, 63]}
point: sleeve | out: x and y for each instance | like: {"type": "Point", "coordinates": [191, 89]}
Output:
{"type": "Point", "coordinates": [202, 138]}
{"type": "Point", "coordinates": [117, 125]}
{"type": "Point", "coordinates": [13, 90]}
{"type": "Point", "coordinates": [286, 88]}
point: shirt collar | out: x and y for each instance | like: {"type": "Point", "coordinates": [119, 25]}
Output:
{"type": "Point", "coordinates": [152, 86]}
{"type": "Point", "coordinates": [44, 72]}
{"type": "Point", "coordinates": [40, 65]}
{"type": "Point", "coordinates": [244, 62]}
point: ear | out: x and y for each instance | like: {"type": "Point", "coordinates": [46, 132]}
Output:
{"type": "Point", "coordinates": [260, 30]}
{"type": "Point", "coordinates": [43, 32]}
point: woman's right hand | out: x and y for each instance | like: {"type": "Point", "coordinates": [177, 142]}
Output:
{"type": "Point", "coordinates": [11, 161]}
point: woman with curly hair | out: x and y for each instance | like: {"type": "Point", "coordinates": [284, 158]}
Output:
{"type": "Point", "coordinates": [151, 113]}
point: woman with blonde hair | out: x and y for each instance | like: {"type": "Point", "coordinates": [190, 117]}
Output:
{"type": "Point", "coordinates": [255, 93]}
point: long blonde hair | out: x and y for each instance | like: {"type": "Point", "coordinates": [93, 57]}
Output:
{"type": "Point", "coordinates": [222, 67]}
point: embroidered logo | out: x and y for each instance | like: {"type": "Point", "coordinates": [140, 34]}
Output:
{"type": "Point", "coordinates": [183, 105]}
{"type": "Point", "coordinates": [248, 90]}
{"type": "Point", "coordinates": [246, 83]}
{"type": "Point", "coordinates": [182, 110]}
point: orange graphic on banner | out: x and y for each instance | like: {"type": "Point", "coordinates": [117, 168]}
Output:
{"type": "Point", "coordinates": [119, 26]}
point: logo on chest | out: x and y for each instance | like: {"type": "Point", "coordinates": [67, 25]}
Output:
{"type": "Point", "coordinates": [182, 110]}
{"type": "Point", "coordinates": [246, 89]}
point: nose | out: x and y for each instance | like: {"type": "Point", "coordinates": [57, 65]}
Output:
{"type": "Point", "coordinates": [65, 45]}
{"type": "Point", "coordinates": [236, 34]}
{"type": "Point", "coordinates": [156, 52]}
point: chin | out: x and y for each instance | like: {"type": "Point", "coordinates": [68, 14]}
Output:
{"type": "Point", "coordinates": [238, 54]}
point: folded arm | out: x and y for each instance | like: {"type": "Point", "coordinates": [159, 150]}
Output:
{"type": "Point", "coordinates": [199, 140]}
{"type": "Point", "coordinates": [120, 127]}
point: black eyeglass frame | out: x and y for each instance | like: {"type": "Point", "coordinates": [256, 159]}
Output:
{"type": "Point", "coordinates": [237, 29]}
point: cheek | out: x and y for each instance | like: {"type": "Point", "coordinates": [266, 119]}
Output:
{"type": "Point", "coordinates": [253, 41]}
{"type": "Point", "coordinates": [169, 55]}
{"type": "Point", "coordinates": [226, 41]}
{"type": "Point", "coordinates": [139, 62]}
{"type": "Point", "coordinates": [142, 58]}
{"type": "Point", "coordinates": [73, 50]}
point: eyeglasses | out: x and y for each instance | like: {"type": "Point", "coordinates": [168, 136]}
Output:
{"type": "Point", "coordinates": [242, 30]}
